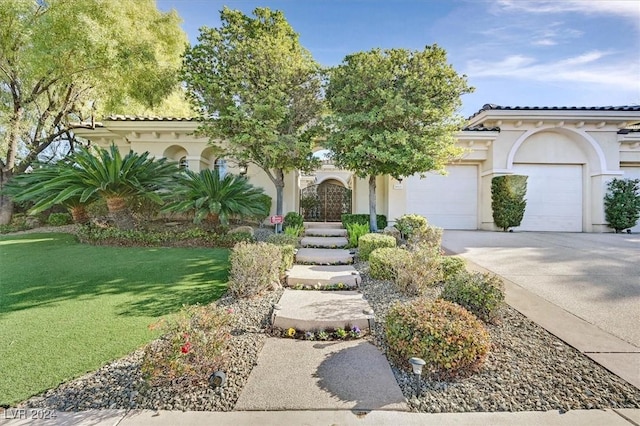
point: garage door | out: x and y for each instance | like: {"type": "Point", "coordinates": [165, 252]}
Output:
{"type": "Point", "coordinates": [632, 173]}
{"type": "Point", "coordinates": [450, 202]}
{"type": "Point", "coordinates": [554, 197]}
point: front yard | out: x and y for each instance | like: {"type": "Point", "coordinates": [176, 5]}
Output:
{"type": "Point", "coordinates": [68, 308]}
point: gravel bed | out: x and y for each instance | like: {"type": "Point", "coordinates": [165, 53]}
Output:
{"type": "Point", "coordinates": [528, 369]}
{"type": "Point", "coordinates": [119, 385]}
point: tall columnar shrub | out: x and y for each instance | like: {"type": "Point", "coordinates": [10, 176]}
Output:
{"type": "Point", "coordinates": [449, 338]}
{"type": "Point", "coordinates": [622, 203]}
{"type": "Point", "coordinates": [507, 200]}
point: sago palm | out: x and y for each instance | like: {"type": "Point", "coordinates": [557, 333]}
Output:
{"type": "Point", "coordinates": [85, 176]}
{"type": "Point", "coordinates": [217, 199]}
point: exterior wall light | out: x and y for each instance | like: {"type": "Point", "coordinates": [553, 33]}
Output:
{"type": "Point", "coordinates": [417, 364]}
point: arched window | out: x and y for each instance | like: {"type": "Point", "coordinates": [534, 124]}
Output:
{"type": "Point", "coordinates": [221, 166]}
{"type": "Point", "coordinates": [183, 163]}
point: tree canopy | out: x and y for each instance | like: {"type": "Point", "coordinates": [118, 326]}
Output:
{"type": "Point", "coordinates": [259, 90]}
{"type": "Point", "coordinates": [64, 61]}
{"type": "Point", "coordinates": [393, 112]}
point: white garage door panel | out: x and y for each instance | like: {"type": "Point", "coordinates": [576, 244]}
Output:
{"type": "Point", "coordinates": [554, 197]}
{"type": "Point", "coordinates": [450, 202]}
{"type": "Point", "coordinates": [632, 173]}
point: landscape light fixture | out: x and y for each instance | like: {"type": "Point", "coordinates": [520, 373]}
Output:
{"type": "Point", "coordinates": [217, 379]}
{"type": "Point", "coordinates": [417, 364]}
{"type": "Point", "coordinates": [243, 169]}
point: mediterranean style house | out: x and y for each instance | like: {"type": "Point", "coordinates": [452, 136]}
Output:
{"type": "Point", "coordinates": [568, 153]}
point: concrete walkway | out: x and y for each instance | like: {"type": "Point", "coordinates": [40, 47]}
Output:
{"type": "Point", "coordinates": [618, 417]}
{"type": "Point", "coordinates": [583, 288]}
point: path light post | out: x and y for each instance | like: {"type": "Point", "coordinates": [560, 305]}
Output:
{"type": "Point", "coordinates": [417, 364]}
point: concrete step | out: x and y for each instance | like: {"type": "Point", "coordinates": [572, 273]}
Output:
{"type": "Point", "coordinates": [323, 256]}
{"type": "Point", "coordinates": [309, 310]}
{"type": "Point", "coordinates": [323, 275]}
{"type": "Point", "coordinates": [324, 242]}
{"type": "Point", "coordinates": [325, 232]}
{"type": "Point", "coordinates": [325, 225]}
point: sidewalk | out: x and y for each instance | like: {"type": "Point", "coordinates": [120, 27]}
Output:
{"type": "Point", "coordinates": [621, 417]}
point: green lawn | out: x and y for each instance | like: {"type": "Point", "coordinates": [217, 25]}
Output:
{"type": "Point", "coordinates": [67, 308]}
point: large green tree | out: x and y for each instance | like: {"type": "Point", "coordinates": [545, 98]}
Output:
{"type": "Point", "coordinates": [65, 61]}
{"type": "Point", "coordinates": [257, 89]}
{"type": "Point", "coordinates": [394, 113]}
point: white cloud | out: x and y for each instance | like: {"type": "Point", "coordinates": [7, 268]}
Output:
{"type": "Point", "coordinates": [625, 8]}
{"type": "Point", "coordinates": [589, 68]}
{"type": "Point", "coordinates": [544, 42]}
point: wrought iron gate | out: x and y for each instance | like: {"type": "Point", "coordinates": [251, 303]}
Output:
{"type": "Point", "coordinates": [325, 202]}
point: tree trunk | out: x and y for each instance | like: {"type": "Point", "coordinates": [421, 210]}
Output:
{"type": "Point", "coordinates": [119, 213]}
{"type": "Point", "coordinates": [79, 214]}
{"type": "Point", "coordinates": [373, 218]}
{"type": "Point", "coordinates": [279, 196]}
{"type": "Point", "coordinates": [6, 205]}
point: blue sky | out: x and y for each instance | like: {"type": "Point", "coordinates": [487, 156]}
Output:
{"type": "Point", "coordinates": [514, 52]}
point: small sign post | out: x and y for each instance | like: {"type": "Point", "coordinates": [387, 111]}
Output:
{"type": "Point", "coordinates": [277, 221]}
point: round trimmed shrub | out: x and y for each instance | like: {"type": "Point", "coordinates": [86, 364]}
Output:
{"type": "Point", "coordinates": [451, 340]}
{"type": "Point", "coordinates": [369, 242]}
{"type": "Point", "coordinates": [409, 223]}
{"type": "Point", "coordinates": [384, 262]}
{"type": "Point", "coordinates": [482, 294]}
{"type": "Point", "coordinates": [255, 269]}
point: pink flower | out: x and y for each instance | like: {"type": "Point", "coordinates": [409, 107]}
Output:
{"type": "Point", "coordinates": [185, 348]}
{"type": "Point", "coordinates": [230, 310]}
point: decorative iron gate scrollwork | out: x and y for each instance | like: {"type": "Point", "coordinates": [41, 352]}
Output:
{"type": "Point", "coordinates": [326, 202]}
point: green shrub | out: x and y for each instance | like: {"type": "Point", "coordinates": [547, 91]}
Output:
{"type": "Point", "coordinates": [409, 223]}
{"type": "Point", "coordinates": [194, 237]}
{"type": "Point", "coordinates": [451, 340]}
{"type": "Point", "coordinates": [370, 242]}
{"type": "Point", "coordinates": [507, 200]}
{"type": "Point", "coordinates": [293, 219]}
{"type": "Point", "coordinates": [59, 219]}
{"type": "Point", "coordinates": [355, 231]}
{"type": "Point", "coordinates": [262, 234]}
{"type": "Point", "coordinates": [363, 219]}
{"type": "Point", "coordinates": [419, 271]}
{"type": "Point", "coordinates": [384, 262]}
{"type": "Point", "coordinates": [288, 258]}
{"type": "Point", "coordinates": [622, 203]}
{"type": "Point", "coordinates": [294, 230]}
{"type": "Point", "coordinates": [282, 239]}
{"type": "Point", "coordinates": [191, 348]}
{"type": "Point", "coordinates": [452, 265]}
{"type": "Point", "coordinates": [430, 236]}
{"type": "Point", "coordinates": [255, 269]}
{"type": "Point", "coordinates": [482, 294]}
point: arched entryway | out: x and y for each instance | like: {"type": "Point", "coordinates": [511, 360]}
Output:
{"type": "Point", "coordinates": [325, 202]}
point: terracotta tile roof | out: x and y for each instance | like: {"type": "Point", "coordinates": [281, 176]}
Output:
{"type": "Point", "coordinates": [148, 118]}
{"type": "Point", "coordinates": [481, 128]}
{"type": "Point", "coordinates": [487, 107]}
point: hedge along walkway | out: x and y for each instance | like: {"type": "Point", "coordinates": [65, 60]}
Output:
{"type": "Point", "coordinates": [67, 308]}
{"type": "Point", "coordinates": [322, 375]}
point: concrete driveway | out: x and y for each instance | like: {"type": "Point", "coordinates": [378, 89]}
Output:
{"type": "Point", "coordinates": [593, 276]}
